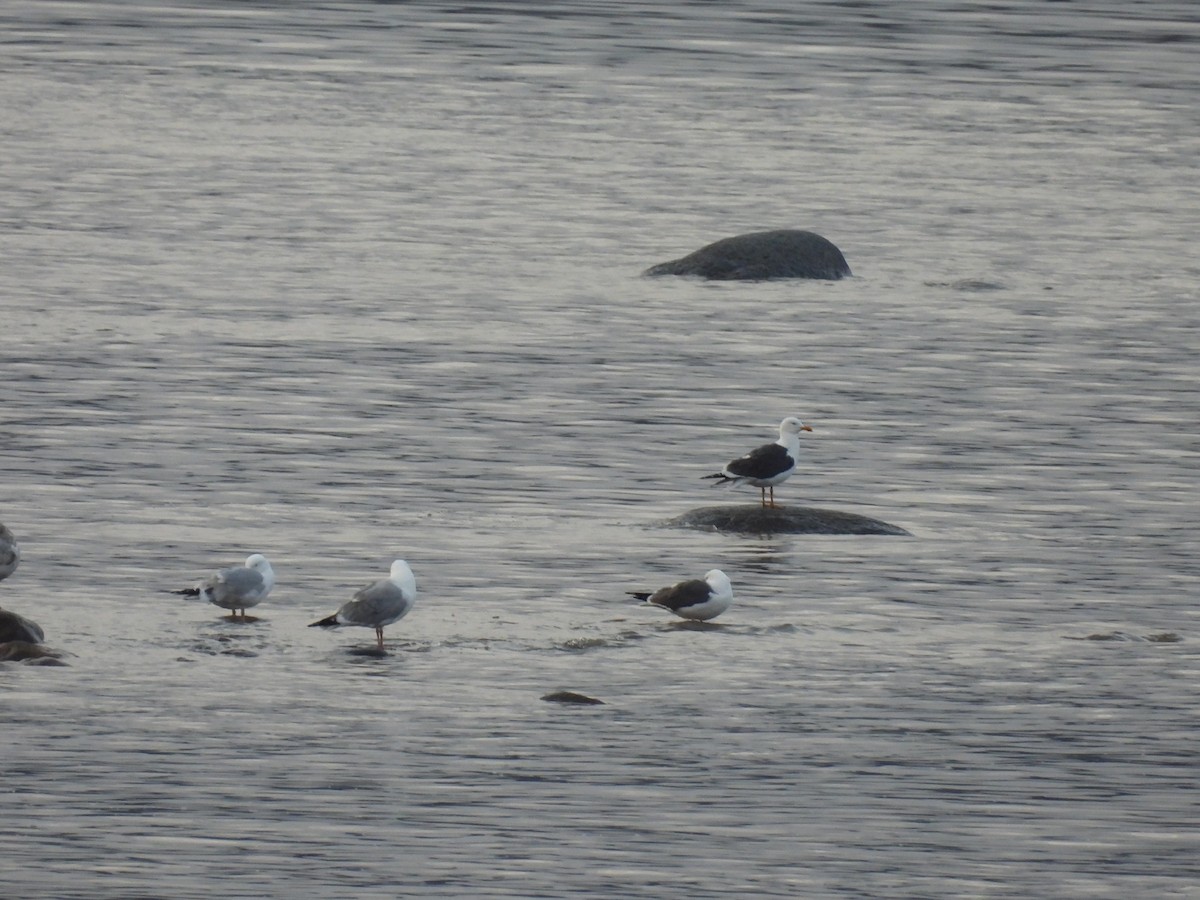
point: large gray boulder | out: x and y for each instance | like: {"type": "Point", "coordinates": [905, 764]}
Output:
{"type": "Point", "coordinates": [756, 519]}
{"type": "Point", "coordinates": [761, 255]}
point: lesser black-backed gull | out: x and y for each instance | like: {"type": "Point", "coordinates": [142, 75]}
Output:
{"type": "Point", "coordinates": [769, 464]}
{"type": "Point", "coordinates": [696, 600]}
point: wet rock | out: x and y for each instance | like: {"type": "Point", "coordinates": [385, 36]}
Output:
{"type": "Point", "coordinates": [34, 654]}
{"type": "Point", "coordinates": [761, 255]}
{"type": "Point", "coordinates": [17, 628]}
{"type": "Point", "coordinates": [754, 519]}
{"type": "Point", "coordinates": [976, 285]}
{"type": "Point", "coordinates": [1165, 637]}
{"type": "Point", "coordinates": [968, 285]}
{"type": "Point", "coordinates": [572, 697]}
{"type": "Point", "coordinates": [10, 552]}
{"type": "Point", "coordinates": [371, 651]}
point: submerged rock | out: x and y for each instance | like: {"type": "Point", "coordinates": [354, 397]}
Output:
{"type": "Point", "coordinates": [1165, 637]}
{"type": "Point", "coordinates": [755, 519]}
{"type": "Point", "coordinates": [761, 255]}
{"type": "Point", "coordinates": [572, 697]}
{"type": "Point", "coordinates": [26, 651]}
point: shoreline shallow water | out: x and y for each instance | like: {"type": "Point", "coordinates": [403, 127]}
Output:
{"type": "Point", "coordinates": [358, 282]}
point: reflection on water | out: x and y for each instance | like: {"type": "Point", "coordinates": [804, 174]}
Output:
{"type": "Point", "coordinates": [347, 283]}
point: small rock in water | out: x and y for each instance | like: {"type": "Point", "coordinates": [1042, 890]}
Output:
{"type": "Point", "coordinates": [760, 256]}
{"type": "Point", "coordinates": [572, 697]}
{"type": "Point", "coordinates": [35, 654]}
{"type": "Point", "coordinates": [1166, 637]}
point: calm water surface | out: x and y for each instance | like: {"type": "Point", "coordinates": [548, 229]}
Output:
{"type": "Point", "coordinates": [352, 281]}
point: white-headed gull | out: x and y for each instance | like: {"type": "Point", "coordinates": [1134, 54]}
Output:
{"type": "Point", "coordinates": [382, 603]}
{"type": "Point", "coordinates": [769, 464]}
{"type": "Point", "coordinates": [697, 600]}
{"type": "Point", "coordinates": [238, 587]}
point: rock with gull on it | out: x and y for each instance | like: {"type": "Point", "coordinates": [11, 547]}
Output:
{"type": "Point", "coordinates": [782, 520]}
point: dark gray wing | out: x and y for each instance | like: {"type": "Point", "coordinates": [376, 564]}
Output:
{"type": "Point", "coordinates": [684, 594]}
{"type": "Point", "coordinates": [766, 461]}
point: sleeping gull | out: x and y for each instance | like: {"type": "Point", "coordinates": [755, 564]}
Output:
{"type": "Point", "coordinates": [10, 552]}
{"type": "Point", "coordinates": [696, 600]}
{"type": "Point", "coordinates": [238, 587]}
{"type": "Point", "coordinates": [382, 603]}
{"type": "Point", "coordinates": [18, 628]}
{"type": "Point", "coordinates": [769, 464]}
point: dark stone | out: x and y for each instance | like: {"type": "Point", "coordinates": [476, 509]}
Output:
{"type": "Point", "coordinates": [761, 255]}
{"type": "Point", "coordinates": [572, 697]}
{"type": "Point", "coordinates": [781, 520]}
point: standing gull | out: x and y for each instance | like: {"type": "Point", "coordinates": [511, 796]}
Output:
{"type": "Point", "coordinates": [18, 628]}
{"type": "Point", "coordinates": [382, 603]}
{"type": "Point", "coordinates": [769, 464]}
{"type": "Point", "coordinates": [238, 587]}
{"type": "Point", "coordinates": [696, 600]}
{"type": "Point", "coordinates": [10, 552]}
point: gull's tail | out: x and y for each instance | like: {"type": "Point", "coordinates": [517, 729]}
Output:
{"type": "Point", "coordinates": [187, 592]}
{"type": "Point", "coordinates": [327, 622]}
{"type": "Point", "coordinates": [725, 479]}
{"type": "Point", "coordinates": [641, 595]}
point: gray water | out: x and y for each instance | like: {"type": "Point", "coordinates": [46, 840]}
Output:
{"type": "Point", "coordinates": [346, 282]}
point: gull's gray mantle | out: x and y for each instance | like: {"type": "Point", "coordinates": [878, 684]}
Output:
{"type": "Point", "coordinates": [781, 520]}
{"type": "Point", "coordinates": [760, 255]}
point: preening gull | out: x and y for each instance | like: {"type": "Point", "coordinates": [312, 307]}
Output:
{"type": "Point", "coordinates": [18, 628]}
{"type": "Point", "coordinates": [10, 552]}
{"type": "Point", "coordinates": [696, 600]}
{"type": "Point", "coordinates": [382, 603]}
{"type": "Point", "coordinates": [769, 464]}
{"type": "Point", "coordinates": [238, 587]}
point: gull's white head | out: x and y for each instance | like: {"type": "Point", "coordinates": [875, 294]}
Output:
{"type": "Point", "coordinates": [258, 563]}
{"type": "Point", "coordinates": [792, 425]}
{"type": "Point", "coordinates": [402, 576]}
{"type": "Point", "coordinates": [719, 582]}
